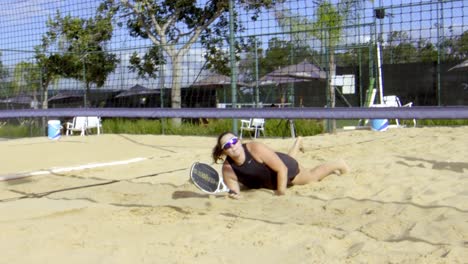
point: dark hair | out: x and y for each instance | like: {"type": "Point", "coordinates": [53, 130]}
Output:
{"type": "Point", "coordinates": [218, 150]}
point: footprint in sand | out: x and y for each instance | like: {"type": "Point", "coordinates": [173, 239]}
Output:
{"type": "Point", "coordinates": [389, 229]}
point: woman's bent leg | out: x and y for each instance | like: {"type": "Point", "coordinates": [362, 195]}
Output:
{"type": "Point", "coordinates": [306, 176]}
{"type": "Point", "coordinates": [296, 147]}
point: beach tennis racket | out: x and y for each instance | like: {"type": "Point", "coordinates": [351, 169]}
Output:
{"type": "Point", "coordinates": [207, 179]}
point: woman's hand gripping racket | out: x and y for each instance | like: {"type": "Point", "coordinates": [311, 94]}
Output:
{"type": "Point", "coordinates": [207, 179]}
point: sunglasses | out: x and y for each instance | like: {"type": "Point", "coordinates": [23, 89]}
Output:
{"type": "Point", "coordinates": [230, 143]}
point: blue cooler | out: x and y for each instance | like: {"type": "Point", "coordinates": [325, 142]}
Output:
{"type": "Point", "coordinates": [379, 124]}
{"type": "Point", "coordinates": [54, 129]}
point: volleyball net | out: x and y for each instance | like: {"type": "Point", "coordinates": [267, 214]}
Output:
{"type": "Point", "coordinates": [454, 112]}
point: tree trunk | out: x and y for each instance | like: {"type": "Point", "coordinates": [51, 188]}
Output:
{"type": "Point", "coordinates": [332, 67]}
{"type": "Point", "coordinates": [45, 96]}
{"type": "Point", "coordinates": [175, 90]}
{"type": "Point", "coordinates": [44, 105]}
{"type": "Point", "coordinates": [87, 97]}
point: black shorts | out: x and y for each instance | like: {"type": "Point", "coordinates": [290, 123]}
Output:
{"type": "Point", "coordinates": [291, 164]}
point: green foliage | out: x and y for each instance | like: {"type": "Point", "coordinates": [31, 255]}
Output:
{"type": "Point", "coordinates": [443, 122]}
{"type": "Point", "coordinates": [5, 87]}
{"type": "Point", "coordinates": [427, 51]}
{"type": "Point", "coordinates": [404, 53]}
{"type": "Point", "coordinates": [400, 49]}
{"type": "Point", "coordinates": [131, 126]}
{"type": "Point", "coordinates": [20, 131]}
{"type": "Point", "coordinates": [81, 43]}
{"type": "Point", "coordinates": [458, 47]}
{"type": "Point", "coordinates": [282, 53]}
{"type": "Point", "coordinates": [327, 26]}
{"type": "Point", "coordinates": [304, 127]}
{"type": "Point", "coordinates": [330, 21]}
{"type": "Point", "coordinates": [147, 66]}
{"type": "Point", "coordinates": [462, 43]}
{"type": "Point", "coordinates": [3, 70]}
{"type": "Point", "coordinates": [26, 77]}
{"type": "Point", "coordinates": [277, 55]}
{"type": "Point", "coordinates": [211, 127]}
{"type": "Point", "coordinates": [162, 126]}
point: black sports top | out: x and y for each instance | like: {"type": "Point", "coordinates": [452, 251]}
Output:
{"type": "Point", "coordinates": [257, 175]}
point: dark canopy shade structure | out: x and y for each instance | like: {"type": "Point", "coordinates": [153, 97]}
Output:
{"type": "Point", "coordinates": [215, 80]}
{"type": "Point", "coordinates": [66, 96]}
{"type": "Point", "coordinates": [460, 67]}
{"type": "Point", "coordinates": [301, 72]}
{"type": "Point", "coordinates": [20, 99]}
{"type": "Point", "coordinates": [214, 86]}
{"type": "Point", "coordinates": [138, 96]}
{"type": "Point", "coordinates": [137, 90]}
{"type": "Point", "coordinates": [284, 81]}
{"type": "Point", "coordinates": [70, 98]}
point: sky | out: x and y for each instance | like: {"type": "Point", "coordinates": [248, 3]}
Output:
{"type": "Point", "coordinates": [23, 22]}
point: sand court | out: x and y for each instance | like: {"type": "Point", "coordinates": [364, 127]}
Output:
{"type": "Point", "coordinates": [404, 201]}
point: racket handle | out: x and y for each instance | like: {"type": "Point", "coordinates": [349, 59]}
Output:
{"type": "Point", "coordinates": [232, 192]}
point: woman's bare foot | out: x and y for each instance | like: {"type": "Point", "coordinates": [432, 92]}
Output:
{"type": "Point", "coordinates": [300, 144]}
{"type": "Point", "coordinates": [296, 147]}
{"type": "Point", "coordinates": [342, 167]}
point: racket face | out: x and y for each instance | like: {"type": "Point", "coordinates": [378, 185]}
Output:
{"type": "Point", "coordinates": [205, 177]}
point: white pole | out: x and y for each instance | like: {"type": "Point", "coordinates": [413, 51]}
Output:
{"type": "Point", "coordinates": [379, 66]}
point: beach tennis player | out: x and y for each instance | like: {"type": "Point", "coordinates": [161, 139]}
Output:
{"type": "Point", "coordinates": [255, 165]}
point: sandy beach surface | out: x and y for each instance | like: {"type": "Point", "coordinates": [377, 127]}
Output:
{"type": "Point", "coordinates": [128, 199]}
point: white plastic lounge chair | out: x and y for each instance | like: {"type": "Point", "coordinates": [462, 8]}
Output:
{"type": "Point", "coordinates": [94, 122]}
{"type": "Point", "coordinates": [256, 125]}
{"type": "Point", "coordinates": [394, 101]}
{"type": "Point", "coordinates": [83, 124]}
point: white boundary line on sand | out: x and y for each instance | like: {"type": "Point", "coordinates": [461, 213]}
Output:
{"type": "Point", "coordinates": [67, 169]}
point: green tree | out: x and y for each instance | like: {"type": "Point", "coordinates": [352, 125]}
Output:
{"type": "Point", "coordinates": [26, 78]}
{"type": "Point", "coordinates": [148, 65]}
{"type": "Point", "coordinates": [354, 56]}
{"type": "Point", "coordinates": [427, 52]}
{"type": "Point", "coordinates": [279, 53]}
{"type": "Point", "coordinates": [3, 75]}
{"type": "Point", "coordinates": [49, 71]}
{"type": "Point", "coordinates": [461, 46]}
{"type": "Point", "coordinates": [248, 63]}
{"type": "Point", "coordinates": [282, 53]}
{"type": "Point", "coordinates": [327, 28]}
{"type": "Point", "coordinates": [175, 25]}
{"type": "Point", "coordinates": [82, 46]}
{"type": "Point", "coordinates": [454, 47]}
{"type": "Point", "coordinates": [401, 50]}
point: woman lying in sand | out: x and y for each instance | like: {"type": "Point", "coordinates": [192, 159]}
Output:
{"type": "Point", "coordinates": [257, 166]}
